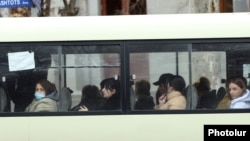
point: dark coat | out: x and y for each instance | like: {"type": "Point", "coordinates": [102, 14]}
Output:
{"type": "Point", "coordinates": [113, 103]}
{"type": "Point", "coordinates": [207, 100]}
{"type": "Point", "coordinates": [145, 103]}
{"type": "Point", "coordinates": [91, 104]}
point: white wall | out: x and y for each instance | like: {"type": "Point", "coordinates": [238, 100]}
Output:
{"type": "Point", "coordinates": [167, 6]}
{"type": "Point", "coordinates": [182, 6]}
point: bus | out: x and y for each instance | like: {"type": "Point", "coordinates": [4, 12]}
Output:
{"type": "Point", "coordinates": [73, 52]}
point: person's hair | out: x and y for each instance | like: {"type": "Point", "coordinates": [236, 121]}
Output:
{"type": "Point", "coordinates": [102, 83]}
{"type": "Point", "coordinates": [90, 91]}
{"type": "Point", "coordinates": [110, 83]}
{"type": "Point", "coordinates": [238, 80]}
{"type": "Point", "coordinates": [178, 83]}
{"type": "Point", "coordinates": [157, 96]}
{"type": "Point", "coordinates": [112, 102]}
{"type": "Point", "coordinates": [142, 88]}
{"type": "Point", "coordinates": [203, 85]}
{"type": "Point", "coordinates": [47, 85]}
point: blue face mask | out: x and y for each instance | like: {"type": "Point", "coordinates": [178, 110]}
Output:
{"type": "Point", "coordinates": [39, 95]}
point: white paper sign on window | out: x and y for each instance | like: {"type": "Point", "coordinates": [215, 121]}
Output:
{"type": "Point", "coordinates": [21, 61]}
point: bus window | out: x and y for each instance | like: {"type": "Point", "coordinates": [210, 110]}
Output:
{"type": "Point", "coordinates": [71, 66]}
{"type": "Point", "coordinates": [149, 60]}
{"type": "Point", "coordinates": [88, 65]}
{"type": "Point", "coordinates": [20, 81]}
{"type": "Point", "coordinates": [217, 62]}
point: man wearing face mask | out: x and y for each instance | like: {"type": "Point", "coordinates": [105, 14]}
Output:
{"type": "Point", "coordinates": [46, 98]}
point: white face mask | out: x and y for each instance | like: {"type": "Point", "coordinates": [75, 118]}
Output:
{"type": "Point", "coordinates": [39, 96]}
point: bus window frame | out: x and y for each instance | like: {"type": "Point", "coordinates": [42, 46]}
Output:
{"type": "Point", "coordinates": [125, 75]}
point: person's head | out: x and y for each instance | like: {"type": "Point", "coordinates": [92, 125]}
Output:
{"type": "Point", "coordinates": [236, 86]}
{"type": "Point", "coordinates": [203, 84]}
{"type": "Point", "coordinates": [110, 87]}
{"type": "Point", "coordinates": [163, 80]}
{"type": "Point", "coordinates": [142, 88]}
{"type": "Point", "coordinates": [176, 83]}
{"type": "Point", "coordinates": [90, 91]}
{"type": "Point", "coordinates": [44, 88]}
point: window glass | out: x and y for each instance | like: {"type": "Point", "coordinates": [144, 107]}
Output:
{"type": "Point", "coordinates": [89, 65]}
{"type": "Point", "coordinates": [79, 70]}
{"type": "Point", "coordinates": [212, 65]}
{"type": "Point", "coordinates": [148, 61]}
{"type": "Point", "coordinates": [20, 73]}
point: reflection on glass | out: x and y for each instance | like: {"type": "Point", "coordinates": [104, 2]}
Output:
{"type": "Point", "coordinates": [88, 65]}
{"type": "Point", "coordinates": [149, 61]}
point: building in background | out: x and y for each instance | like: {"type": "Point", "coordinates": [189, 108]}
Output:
{"type": "Point", "coordinates": [56, 8]}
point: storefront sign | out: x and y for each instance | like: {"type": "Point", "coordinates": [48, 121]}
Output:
{"type": "Point", "coordinates": [15, 3]}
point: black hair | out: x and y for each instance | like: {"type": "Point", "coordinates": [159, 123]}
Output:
{"type": "Point", "coordinates": [110, 83]}
{"type": "Point", "coordinates": [178, 83]}
{"type": "Point", "coordinates": [90, 91]}
{"type": "Point", "coordinates": [112, 103]}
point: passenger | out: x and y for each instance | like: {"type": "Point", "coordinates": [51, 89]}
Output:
{"type": "Point", "coordinates": [20, 84]}
{"type": "Point", "coordinates": [239, 94]}
{"type": "Point", "coordinates": [111, 93]}
{"type": "Point", "coordinates": [162, 88]}
{"type": "Point", "coordinates": [46, 98]}
{"type": "Point", "coordinates": [91, 99]}
{"type": "Point", "coordinates": [174, 98]}
{"type": "Point", "coordinates": [203, 86]}
{"type": "Point", "coordinates": [144, 101]}
{"type": "Point", "coordinates": [206, 96]}
{"type": "Point", "coordinates": [224, 103]}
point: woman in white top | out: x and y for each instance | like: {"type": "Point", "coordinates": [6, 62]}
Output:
{"type": "Point", "coordinates": [239, 94]}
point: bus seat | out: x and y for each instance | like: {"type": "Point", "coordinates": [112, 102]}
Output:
{"type": "Point", "coordinates": [65, 100]}
{"type": "Point", "coordinates": [192, 97]}
{"type": "Point", "coordinates": [3, 100]}
{"type": "Point", "coordinates": [208, 100]}
{"type": "Point", "coordinates": [132, 98]}
{"type": "Point", "coordinates": [220, 94]}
